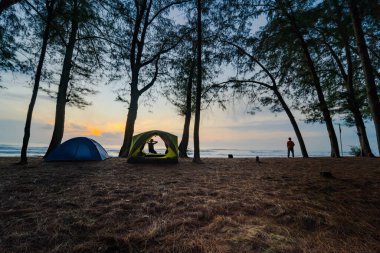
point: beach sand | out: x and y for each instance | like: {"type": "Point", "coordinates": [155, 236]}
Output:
{"type": "Point", "coordinates": [222, 205]}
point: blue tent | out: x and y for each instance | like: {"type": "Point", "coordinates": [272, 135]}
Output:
{"type": "Point", "coordinates": [79, 148]}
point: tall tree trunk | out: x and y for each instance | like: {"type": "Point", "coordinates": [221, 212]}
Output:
{"type": "Point", "coordinates": [354, 105]}
{"type": "Point", "coordinates": [136, 52]}
{"type": "Point", "coordinates": [197, 157]}
{"type": "Point", "coordinates": [348, 79]}
{"type": "Point", "coordinates": [361, 131]}
{"type": "Point", "coordinates": [293, 122]}
{"type": "Point", "coordinates": [186, 128]}
{"type": "Point", "coordinates": [279, 97]}
{"type": "Point", "coordinates": [322, 102]}
{"type": "Point", "coordinates": [59, 123]}
{"type": "Point", "coordinates": [130, 124]}
{"type": "Point", "coordinates": [373, 98]}
{"type": "Point", "coordinates": [5, 4]}
{"type": "Point", "coordinates": [352, 102]}
{"type": "Point", "coordinates": [37, 79]}
{"type": "Point", "coordinates": [141, 25]}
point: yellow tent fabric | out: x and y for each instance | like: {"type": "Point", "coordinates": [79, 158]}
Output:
{"type": "Point", "coordinates": [136, 155]}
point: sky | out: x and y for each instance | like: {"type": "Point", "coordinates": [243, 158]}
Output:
{"type": "Point", "coordinates": [105, 119]}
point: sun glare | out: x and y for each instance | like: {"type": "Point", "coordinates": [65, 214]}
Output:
{"type": "Point", "coordinates": [95, 131]}
{"type": "Point", "coordinates": [116, 127]}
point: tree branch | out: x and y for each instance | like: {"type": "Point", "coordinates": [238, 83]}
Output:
{"type": "Point", "coordinates": [140, 44]}
{"type": "Point", "coordinates": [242, 50]}
{"type": "Point", "coordinates": [35, 9]}
{"type": "Point", "coordinates": [150, 84]}
{"type": "Point", "coordinates": [218, 85]}
{"type": "Point", "coordinates": [162, 51]}
{"type": "Point", "coordinates": [92, 37]}
{"type": "Point", "coordinates": [355, 50]}
{"type": "Point", "coordinates": [165, 8]}
{"type": "Point", "coordinates": [139, 17]}
{"type": "Point", "coordinates": [96, 53]}
{"type": "Point", "coordinates": [334, 55]}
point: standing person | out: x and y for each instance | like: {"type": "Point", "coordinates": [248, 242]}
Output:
{"type": "Point", "coordinates": [151, 143]}
{"type": "Point", "coordinates": [290, 144]}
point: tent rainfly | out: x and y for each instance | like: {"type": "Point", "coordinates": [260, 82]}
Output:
{"type": "Point", "coordinates": [137, 155]}
{"type": "Point", "coordinates": [78, 149]}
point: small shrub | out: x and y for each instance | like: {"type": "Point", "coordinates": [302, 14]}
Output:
{"type": "Point", "coordinates": [355, 151]}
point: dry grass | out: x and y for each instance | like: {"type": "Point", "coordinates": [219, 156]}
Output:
{"type": "Point", "coordinates": [223, 205]}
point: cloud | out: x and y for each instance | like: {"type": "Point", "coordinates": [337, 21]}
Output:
{"type": "Point", "coordinates": [14, 96]}
{"type": "Point", "coordinates": [261, 126]}
{"type": "Point", "coordinates": [77, 127]}
{"type": "Point", "coordinates": [22, 96]}
{"type": "Point", "coordinates": [46, 126]}
{"type": "Point", "coordinates": [12, 132]}
{"type": "Point", "coordinates": [74, 129]}
{"type": "Point", "coordinates": [101, 135]}
{"type": "Point", "coordinates": [112, 135]}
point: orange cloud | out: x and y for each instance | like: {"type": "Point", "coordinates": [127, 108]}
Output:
{"type": "Point", "coordinates": [83, 129]}
{"type": "Point", "coordinates": [95, 131]}
{"type": "Point", "coordinates": [115, 127]}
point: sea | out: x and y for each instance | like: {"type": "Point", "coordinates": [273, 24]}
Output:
{"type": "Point", "coordinates": [14, 150]}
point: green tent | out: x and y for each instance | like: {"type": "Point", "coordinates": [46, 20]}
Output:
{"type": "Point", "coordinates": [137, 154]}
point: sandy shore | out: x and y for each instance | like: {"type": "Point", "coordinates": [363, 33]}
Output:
{"type": "Point", "coordinates": [222, 205]}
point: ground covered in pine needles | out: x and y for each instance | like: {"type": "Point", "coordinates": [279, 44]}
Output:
{"type": "Point", "coordinates": [222, 205]}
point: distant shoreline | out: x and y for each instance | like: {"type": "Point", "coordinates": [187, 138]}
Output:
{"type": "Point", "coordinates": [35, 151]}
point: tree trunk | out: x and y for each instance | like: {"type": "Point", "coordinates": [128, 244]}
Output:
{"type": "Point", "coordinates": [322, 103]}
{"type": "Point", "coordinates": [354, 106]}
{"type": "Point", "coordinates": [352, 102]}
{"type": "Point", "coordinates": [293, 122]}
{"type": "Point", "coordinates": [361, 131]}
{"type": "Point", "coordinates": [197, 157]}
{"type": "Point", "coordinates": [280, 99]}
{"type": "Point", "coordinates": [130, 124]}
{"type": "Point", "coordinates": [186, 128]}
{"type": "Point", "coordinates": [37, 79]}
{"type": "Point", "coordinates": [360, 126]}
{"type": "Point", "coordinates": [373, 98]}
{"type": "Point", "coordinates": [136, 52]}
{"type": "Point", "coordinates": [59, 123]}
{"type": "Point", "coordinates": [348, 80]}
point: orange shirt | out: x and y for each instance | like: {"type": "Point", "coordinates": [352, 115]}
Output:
{"type": "Point", "coordinates": [290, 144]}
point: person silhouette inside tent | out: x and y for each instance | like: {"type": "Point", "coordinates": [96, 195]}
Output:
{"type": "Point", "coordinates": [151, 143]}
{"type": "Point", "coordinates": [290, 144]}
